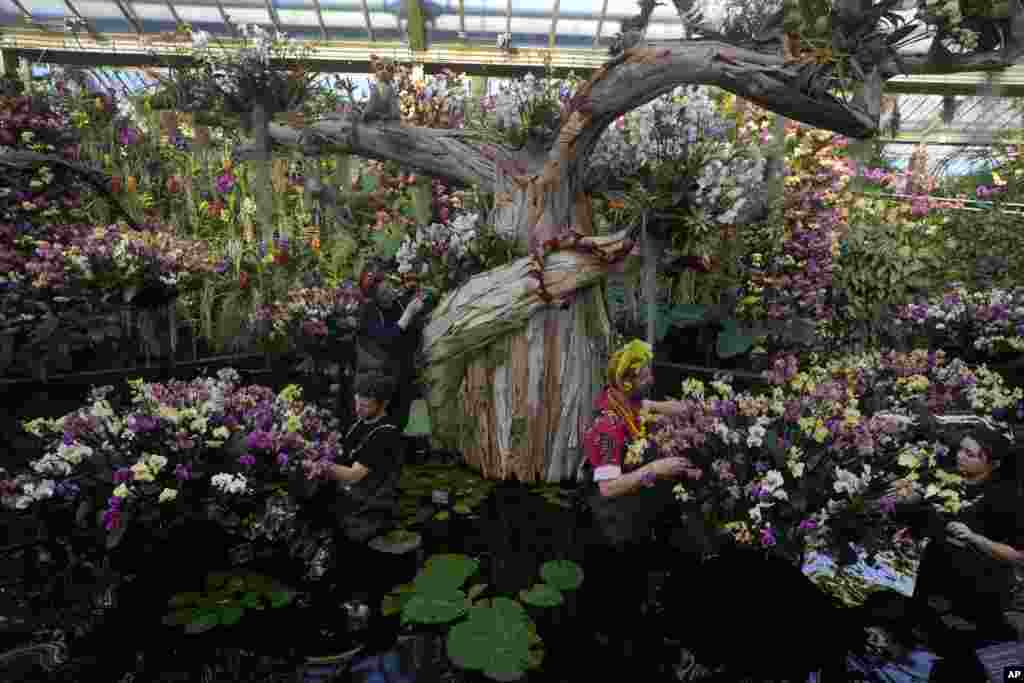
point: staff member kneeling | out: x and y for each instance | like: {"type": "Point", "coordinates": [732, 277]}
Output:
{"type": "Point", "coordinates": [367, 472]}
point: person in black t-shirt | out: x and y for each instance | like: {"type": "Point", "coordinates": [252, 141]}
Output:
{"type": "Point", "coordinates": [366, 502]}
{"type": "Point", "coordinates": [967, 573]}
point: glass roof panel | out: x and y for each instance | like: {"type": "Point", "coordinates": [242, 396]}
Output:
{"type": "Point", "coordinates": [207, 16]}
{"type": "Point", "coordinates": [298, 18]}
{"type": "Point", "coordinates": [155, 12]}
{"type": "Point", "coordinates": [240, 15]}
{"type": "Point", "coordinates": [43, 9]}
{"type": "Point", "coordinates": [9, 11]}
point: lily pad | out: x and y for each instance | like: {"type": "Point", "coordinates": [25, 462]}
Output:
{"type": "Point", "coordinates": [494, 640]}
{"type": "Point", "coordinates": [202, 622]}
{"type": "Point", "coordinates": [440, 607]}
{"type": "Point", "coordinates": [180, 617]}
{"type": "Point", "coordinates": [229, 616]}
{"type": "Point", "coordinates": [445, 572]}
{"type": "Point", "coordinates": [281, 598]}
{"type": "Point", "coordinates": [564, 575]}
{"type": "Point", "coordinates": [542, 595]}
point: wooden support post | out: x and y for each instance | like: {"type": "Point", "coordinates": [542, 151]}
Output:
{"type": "Point", "coordinates": [415, 25]}
{"type": "Point", "coordinates": [264, 187]}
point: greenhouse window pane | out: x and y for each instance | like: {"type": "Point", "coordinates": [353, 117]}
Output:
{"type": "Point", "coordinates": [622, 9]}
{"type": "Point", "coordinates": [42, 9]}
{"type": "Point", "coordinates": [248, 15]}
{"type": "Point", "coordinates": [484, 7]}
{"type": "Point", "coordinates": [344, 20]}
{"type": "Point", "coordinates": [577, 27]}
{"type": "Point", "coordinates": [193, 14]}
{"type": "Point", "coordinates": [342, 5]}
{"type": "Point", "coordinates": [382, 21]}
{"type": "Point", "coordinates": [296, 17]}
{"type": "Point", "coordinates": [152, 12]}
{"type": "Point", "coordinates": [9, 9]}
{"type": "Point", "coordinates": [282, 5]}
{"type": "Point", "coordinates": [479, 23]}
{"type": "Point", "coordinates": [91, 9]}
{"type": "Point", "coordinates": [449, 22]}
{"type": "Point", "coordinates": [530, 26]}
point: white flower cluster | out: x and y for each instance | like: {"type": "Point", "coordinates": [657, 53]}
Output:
{"type": "Point", "coordinates": [228, 483]}
{"type": "Point", "coordinates": [756, 433]}
{"type": "Point", "coordinates": [849, 483]}
{"type": "Point", "coordinates": [63, 461]}
{"type": "Point", "coordinates": [451, 238]}
{"type": "Point", "coordinates": [724, 184]}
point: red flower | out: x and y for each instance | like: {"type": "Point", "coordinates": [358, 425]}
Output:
{"type": "Point", "coordinates": [281, 258]}
{"type": "Point", "coordinates": [243, 280]}
{"type": "Point", "coordinates": [115, 184]}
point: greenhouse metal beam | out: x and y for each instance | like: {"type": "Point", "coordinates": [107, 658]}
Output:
{"type": "Point", "coordinates": [1004, 83]}
{"type": "Point", "coordinates": [462, 19]}
{"type": "Point", "coordinates": [508, 17]}
{"type": "Point", "coordinates": [600, 24]}
{"type": "Point", "coordinates": [227, 19]}
{"type": "Point", "coordinates": [22, 9]}
{"type": "Point", "coordinates": [554, 25]}
{"type": "Point", "coordinates": [366, 18]}
{"type": "Point", "coordinates": [129, 14]}
{"type": "Point", "coordinates": [272, 11]}
{"type": "Point", "coordinates": [124, 49]}
{"type": "Point", "coordinates": [320, 20]}
{"type": "Point", "coordinates": [174, 13]}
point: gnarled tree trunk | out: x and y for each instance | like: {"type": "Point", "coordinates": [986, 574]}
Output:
{"type": "Point", "coordinates": [516, 355]}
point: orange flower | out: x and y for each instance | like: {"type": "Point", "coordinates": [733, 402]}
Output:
{"type": "Point", "coordinates": [228, 164]}
{"type": "Point", "coordinates": [616, 204]}
{"type": "Point", "coordinates": [131, 184]}
{"type": "Point", "coordinates": [315, 243]}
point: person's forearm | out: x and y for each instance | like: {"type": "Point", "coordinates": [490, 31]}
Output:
{"type": "Point", "coordinates": [997, 551]}
{"type": "Point", "coordinates": [624, 485]}
{"type": "Point", "coordinates": [662, 407]}
{"type": "Point", "coordinates": [343, 473]}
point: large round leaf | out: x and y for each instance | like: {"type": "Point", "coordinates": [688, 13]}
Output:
{"type": "Point", "coordinates": [437, 607]}
{"type": "Point", "coordinates": [180, 617]}
{"type": "Point", "coordinates": [230, 615]}
{"type": "Point", "coordinates": [494, 640]}
{"type": "Point", "coordinates": [202, 622]}
{"type": "Point", "coordinates": [565, 575]}
{"type": "Point", "coordinates": [445, 573]}
{"type": "Point", "coordinates": [542, 595]}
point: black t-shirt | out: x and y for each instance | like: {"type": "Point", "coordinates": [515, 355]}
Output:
{"type": "Point", "coordinates": [979, 586]}
{"type": "Point", "coordinates": [378, 447]}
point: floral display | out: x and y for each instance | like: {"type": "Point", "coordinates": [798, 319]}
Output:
{"type": "Point", "coordinates": [987, 322]}
{"type": "Point", "coordinates": [309, 313]}
{"type": "Point", "coordinates": [210, 444]}
{"type": "Point", "coordinates": [794, 465]}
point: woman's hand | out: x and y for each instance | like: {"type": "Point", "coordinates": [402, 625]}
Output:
{"type": "Point", "coordinates": [668, 468]}
{"type": "Point", "coordinates": [959, 534]}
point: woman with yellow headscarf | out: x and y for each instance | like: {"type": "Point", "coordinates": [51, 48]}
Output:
{"type": "Point", "coordinates": [629, 491]}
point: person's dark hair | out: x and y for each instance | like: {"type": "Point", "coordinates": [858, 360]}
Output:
{"type": "Point", "coordinates": [997, 448]}
{"type": "Point", "coordinates": [374, 385]}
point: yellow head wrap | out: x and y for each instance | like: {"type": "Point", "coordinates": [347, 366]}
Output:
{"type": "Point", "coordinates": [627, 360]}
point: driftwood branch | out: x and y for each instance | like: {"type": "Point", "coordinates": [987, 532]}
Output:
{"type": "Point", "coordinates": [448, 154]}
{"type": "Point", "coordinates": [97, 179]}
{"type": "Point", "coordinates": [502, 300]}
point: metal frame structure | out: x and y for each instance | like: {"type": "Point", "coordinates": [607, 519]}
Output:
{"type": "Point", "coordinates": [338, 50]}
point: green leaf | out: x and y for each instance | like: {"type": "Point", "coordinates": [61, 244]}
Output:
{"type": "Point", "coordinates": [202, 622]}
{"type": "Point", "coordinates": [231, 615]}
{"type": "Point", "coordinates": [565, 575]}
{"type": "Point", "coordinates": [442, 515]}
{"type": "Point", "coordinates": [476, 590]}
{"type": "Point", "coordinates": [445, 572]}
{"type": "Point", "coordinates": [462, 509]}
{"type": "Point", "coordinates": [542, 595]}
{"type": "Point", "coordinates": [494, 640]}
{"type": "Point", "coordinates": [251, 600]}
{"type": "Point", "coordinates": [281, 598]}
{"type": "Point", "coordinates": [438, 607]}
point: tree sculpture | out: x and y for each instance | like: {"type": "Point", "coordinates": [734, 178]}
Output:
{"type": "Point", "coordinates": [516, 355]}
